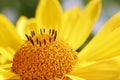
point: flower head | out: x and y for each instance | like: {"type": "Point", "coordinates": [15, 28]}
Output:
{"type": "Point", "coordinates": [43, 56]}
{"type": "Point", "coordinates": [44, 47]}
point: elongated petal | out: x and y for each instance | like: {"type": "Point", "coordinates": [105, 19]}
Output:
{"type": "Point", "coordinates": [78, 25]}
{"type": "Point", "coordinates": [106, 42]}
{"type": "Point", "coordinates": [20, 25]}
{"type": "Point", "coordinates": [103, 70]}
{"type": "Point", "coordinates": [49, 13]}
{"type": "Point", "coordinates": [109, 26]}
{"type": "Point", "coordinates": [3, 60]}
{"type": "Point", "coordinates": [69, 21]}
{"type": "Point", "coordinates": [7, 75]}
{"type": "Point", "coordinates": [8, 34]}
{"type": "Point", "coordinates": [75, 77]}
{"type": "Point", "coordinates": [84, 25]}
{"type": "Point", "coordinates": [100, 75]}
{"type": "Point", "coordinates": [25, 26]}
{"type": "Point", "coordinates": [9, 65]}
{"type": "Point", "coordinates": [92, 10]}
{"type": "Point", "coordinates": [6, 53]}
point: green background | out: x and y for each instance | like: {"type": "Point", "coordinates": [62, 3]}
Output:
{"type": "Point", "coordinates": [13, 9]}
{"type": "Point", "coordinates": [28, 7]}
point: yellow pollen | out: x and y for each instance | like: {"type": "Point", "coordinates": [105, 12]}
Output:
{"type": "Point", "coordinates": [43, 57]}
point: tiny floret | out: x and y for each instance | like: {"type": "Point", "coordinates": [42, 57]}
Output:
{"type": "Point", "coordinates": [43, 57]}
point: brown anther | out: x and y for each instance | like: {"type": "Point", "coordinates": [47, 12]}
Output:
{"type": "Point", "coordinates": [52, 32]}
{"type": "Point", "coordinates": [31, 40]}
{"type": "Point", "coordinates": [40, 43]}
{"type": "Point", "coordinates": [41, 31]}
{"type": "Point", "coordinates": [44, 42]}
{"type": "Point", "coordinates": [32, 33]}
{"type": "Point", "coordinates": [50, 39]}
{"type": "Point", "coordinates": [37, 40]}
{"type": "Point", "coordinates": [55, 35]}
{"type": "Point", "coordinates": [44, 30]}
{"type": "Point", "coordinates": [27, 36]}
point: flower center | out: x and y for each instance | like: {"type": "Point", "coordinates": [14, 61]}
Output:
{"type": "Point", "coordinates": [43, 57]}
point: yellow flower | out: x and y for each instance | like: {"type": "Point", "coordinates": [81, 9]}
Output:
{"type": "Point", "coordinates": [49, 53]}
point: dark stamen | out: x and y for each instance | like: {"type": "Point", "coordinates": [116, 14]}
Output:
{"type": "Point", "coordinates": [37, 40]}
{"type": "Point", "coordinates": [32, 33]}
{"type": "Point", "coordinates": [52, 32]}
{"type": "Point", "coordinates": [50, 39]}
{"type": "Point", "coordinates": [41, 31]}
{"type": "Point", "coordinates": [27, 36]}
{"type": "Point", "coordinates": [44, 41]}
{"type": "Point", "coordinates": [49, 31]}
{"type": "Point", "coordinates": [40, 43]}
{"type": "Point", "coordinates": [44, 30]}
{"type": "Point", "coordinates": [31, 40]}
{"type": "Point", "coordinates": [55, 35]}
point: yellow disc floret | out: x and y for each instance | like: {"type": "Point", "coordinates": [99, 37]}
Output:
{"type": "Point", "coordinates": [43, 57]}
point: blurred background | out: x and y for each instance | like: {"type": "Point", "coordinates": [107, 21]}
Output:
{"type": "Point", "coordinates": [13, 9]}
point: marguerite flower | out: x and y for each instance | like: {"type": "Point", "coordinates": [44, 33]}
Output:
{"type": "Point", "coordinates": [52, 38]}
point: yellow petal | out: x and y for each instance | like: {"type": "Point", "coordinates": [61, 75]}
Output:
{"type": "Point", "coordinates": [9, 65]}
{"type": "Point", "coordinates": [74, 77]}
{"type": "Point", "coordinates": [49, 13]}
{"type": "Point", "coordinates": [85, 24]}
{"type": "Point", "coordinates": [106, 42]}
{"type": "Point", "coordinates": [109, 26]}
{"type": "Point", "coordinates": [7, 75]}
{"type": "Point", "coordinates": [103, 70]}
{"type": "Point", "coordinates": [6, 53]}
{"type": "Point", "coordinates": [69, 21]}
{"type": "Point", "coordinates": [80, 23]}
{"type": "Point", "coordinates": [3, 60]}
{"type": "Point", "coordinates": [20, 25]}
{"type": "Point", "coordinates": [92, 10]}
{"type": "Point", "coordinates": [25, 26]}
{"type": "Point", "coordinates": [100, 75]}
{"type": "Point", "coordinates": [112, 64]}
{"type": "Point", "coordinates": [8, 34]}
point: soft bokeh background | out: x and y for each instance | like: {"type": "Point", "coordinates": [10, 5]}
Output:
{"type": "Point", "coordinates": [13, 9]}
